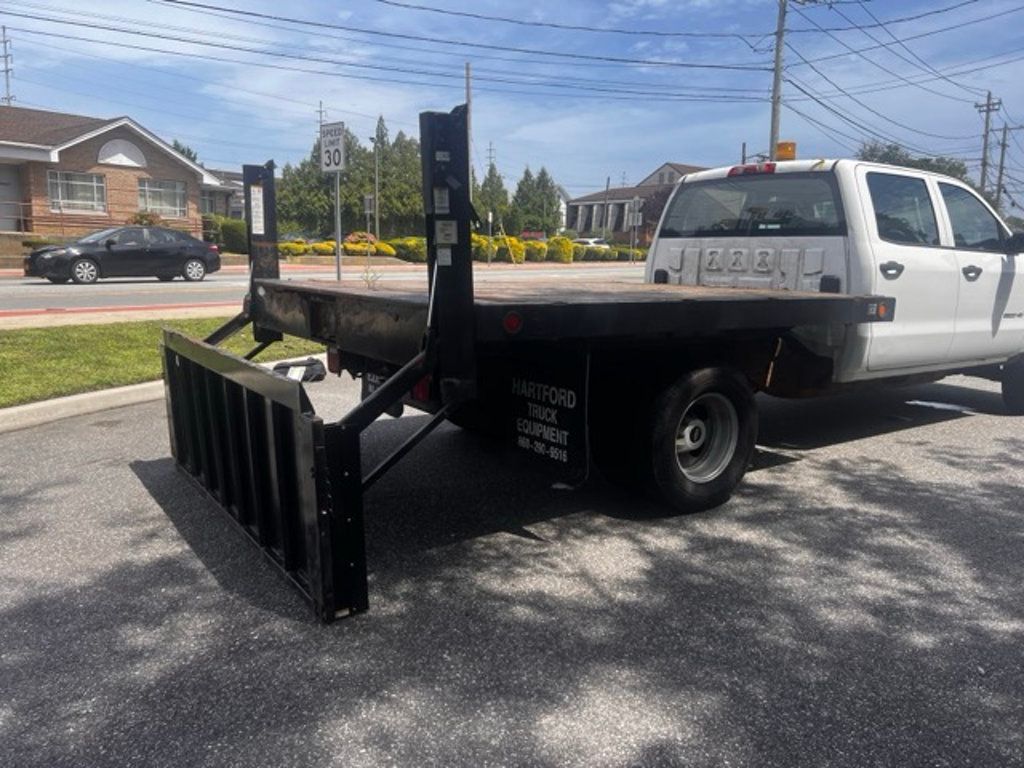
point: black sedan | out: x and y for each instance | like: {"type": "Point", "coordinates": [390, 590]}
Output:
{"type": "Point", "coordinates": [125, 252]}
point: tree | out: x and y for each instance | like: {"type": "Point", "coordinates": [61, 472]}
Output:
{"type": "Point", "coordinates": [305, 197]}
{"type": "Point", "coordinates": [185, 150]}
{"type": "Point", "coordinates": [492, 196]}
{"type": "Point", "coordinates": [549, 202]}
{"type": "Point", "coordinates": [894, 154]}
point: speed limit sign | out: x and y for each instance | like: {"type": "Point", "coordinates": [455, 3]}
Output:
{"type": "Point", "coordinates": [332, 147]}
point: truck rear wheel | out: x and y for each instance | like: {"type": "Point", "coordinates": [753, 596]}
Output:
{"type": "Point", "coordinates": [701, 438]}
{"type": "Point", "coordinates": [1013, 386]}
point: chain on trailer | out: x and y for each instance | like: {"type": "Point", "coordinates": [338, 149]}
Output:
{"type": "Point", "coordinates": [250, 438]}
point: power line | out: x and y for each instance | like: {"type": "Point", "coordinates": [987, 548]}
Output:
{"type": "Point", "coordinates": [606, 93]}
{"type": "Point", "coordinates": [556, 25]}
{"type": "Point", "coordinates": [654, 33]}
{"type": "Point", "coordinates": [427, 39]}
{"type": "Point", "coordinates": [920, 35]}
{"type": "Point", "coordinates": [924, 64]}
{"type": "Point", "coordinates": [872, 61]}
{"type": "Point", "coordinates": [862, 127]}
{"type": "Point", "coordinates": [872, 110]}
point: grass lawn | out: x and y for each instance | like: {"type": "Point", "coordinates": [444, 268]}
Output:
{"type": "Point", "coordinates": [40, 363]}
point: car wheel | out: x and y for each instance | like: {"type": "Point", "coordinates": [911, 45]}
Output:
{"type": "Point", "coordinates": [1013, 386]}
{"type": "Point", "coordinates": [194, 270]}
{"type": "Point", "coordinates": [165, 278]}
{"type": "Point", "coordinates": [84, 271]}
{"type": "Point", "coordinates": [700, 439]}
{"type": "Point", "coordinates": [58, 280]}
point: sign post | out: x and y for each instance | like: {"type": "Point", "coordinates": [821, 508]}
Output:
{"type": "Point", "coordinates": [636, 219]}
{"type": "Point", "coordinates": [332, 160]}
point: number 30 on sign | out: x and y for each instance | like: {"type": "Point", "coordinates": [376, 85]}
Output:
{"type": "Point", "coordinates": [332, 147]}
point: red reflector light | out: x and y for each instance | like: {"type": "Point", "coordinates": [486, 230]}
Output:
{"type": "Point", "coordinates": [214, 248]}
{"type": "Point", "coordinates": [421, 390]}
{"type": "Point", "coordinates": [512, 322]}
{"type": "Point", "coordinates": [334, 360]}
{"type": "Point", "coordinates": [743, 170]}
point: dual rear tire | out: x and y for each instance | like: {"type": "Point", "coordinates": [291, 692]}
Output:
{"type": "Point", "coordinates": [689, 446]}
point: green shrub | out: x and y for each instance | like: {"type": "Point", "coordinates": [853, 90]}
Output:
{"type": "Point", "coordinates": [569, 234]}
{"type": "Point", "coordinates": [291, 249]}
{"type": "Point", "coordinates": [483, 247]}
{"type": "Point", "coordinates": [593, 253]}
{"type": "Point", "coordinates": [625, 253]}
{"type": "Point", "coordinates": [560, 250]}
{"type": "Point", "coordinates": [41, 242]}
{"type": "Point", "coordinates": [410, 248]}
{"type": "Point", "coordinates": [368, 249]}
{"type": "Point", "coordinates": [579, 252]}
{"type": "Point", "coordinates": [536, 250]}
{"type": "Point", "coordinates": [233, 236]}
{"type": "Point", "coordinates": [145, 219]}
{"type": "Point", "coordinates": [211, 228]}
{"type": "Point", "coordinates": [511, 250]}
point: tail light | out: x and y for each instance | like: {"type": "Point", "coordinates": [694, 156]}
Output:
{"type": "Point", "coordinates": [213, 247]}
{"type": "Point", "coordinates": [744, 170]}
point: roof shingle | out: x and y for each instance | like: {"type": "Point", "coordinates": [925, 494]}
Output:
{"type": "Point", "coordinates": [37, 126]}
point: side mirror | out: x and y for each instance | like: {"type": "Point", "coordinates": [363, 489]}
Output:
{"type": "Point", "coordinates": [1015, 244]}
{"type": "Point", "coordinates": [110, 242]}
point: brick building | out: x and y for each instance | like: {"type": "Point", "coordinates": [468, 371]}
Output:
{"type": "Point", "coordinates": [64, 174]}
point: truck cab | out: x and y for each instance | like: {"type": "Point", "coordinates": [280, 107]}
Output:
{"type": "Point", "coordinates": [845, 226]}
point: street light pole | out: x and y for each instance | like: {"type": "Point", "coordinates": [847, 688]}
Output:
{"type": "Point", "coordinates": [376, 189]}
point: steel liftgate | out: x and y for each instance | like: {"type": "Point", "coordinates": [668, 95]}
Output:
{"type": "Point", "coordinates": [250, 437]}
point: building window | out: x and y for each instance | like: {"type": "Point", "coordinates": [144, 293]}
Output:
{"type": "Point", "coordinates": [166, 198]}
{"type": "Point", "coordinates": [206, 202]}
{"type": "Point", "coordinates": [76, 191]}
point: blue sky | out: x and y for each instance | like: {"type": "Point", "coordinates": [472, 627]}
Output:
{"type": "Point", "coordinates": [613, 105]}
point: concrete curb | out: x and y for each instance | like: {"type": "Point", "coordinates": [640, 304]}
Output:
{"type": "Point", "coordinates": [33, 414]}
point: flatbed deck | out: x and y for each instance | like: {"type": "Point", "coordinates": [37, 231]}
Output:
{"type": "Point", "coordinates": [387, 320]}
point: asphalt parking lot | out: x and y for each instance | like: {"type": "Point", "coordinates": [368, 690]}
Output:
{"type": "Point", "coordinates": [860, 602]}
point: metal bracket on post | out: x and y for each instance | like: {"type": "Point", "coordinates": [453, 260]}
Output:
{"type": "Point", "coordinates": [446, 202]}
{"type": "Point", "coordinates": [261, 229]}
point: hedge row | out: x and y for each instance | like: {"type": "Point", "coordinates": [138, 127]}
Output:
{"type": "Point", "coordinates": [327, 247]}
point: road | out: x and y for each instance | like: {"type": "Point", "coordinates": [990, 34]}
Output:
{"type": "Point", "coordinates": [859, 602]}
{"type": "Point", "coordinates": [32, 295]}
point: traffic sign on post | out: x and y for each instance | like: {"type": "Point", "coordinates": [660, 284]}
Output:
{"type": "Point", "coordinates": [332, 147]}
{"type": "Point", "coordinates": [332, 160]}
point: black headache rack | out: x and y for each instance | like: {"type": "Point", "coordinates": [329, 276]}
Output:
{"type": "Point", "coordinates": [251, 439]}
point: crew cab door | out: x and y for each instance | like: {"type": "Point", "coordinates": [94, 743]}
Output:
{"type": "Point", "coordinates": [989, 319]}
{"type": "Point", "coordinates": [910, 264]}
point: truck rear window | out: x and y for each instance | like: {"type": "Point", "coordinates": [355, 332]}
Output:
{"type": "Point", "coordinates": [769, 205]}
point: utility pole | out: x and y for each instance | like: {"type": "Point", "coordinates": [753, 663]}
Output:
{"type": "Point", "coordinates": [990, 106]}
{"type": "Point", "coordinates": [604, 218]}
{"type": "Point", "coordinates": [469, 124]}
{"type": "Point", "coordinates": [1002, 161]}
{"type": "Point", "coordinates": [780, 38]}
{"type": "Point", "coordinates": [376, 186]}
{"type": "Point", "coordinates": [743, 154]}
{"type": "Point", "coordinates": [8, 98]}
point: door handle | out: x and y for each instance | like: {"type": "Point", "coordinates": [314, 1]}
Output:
{"type": "Point", "coordinates": [891, 270]}
{"type": "Point", "coordinates": [971, 272]}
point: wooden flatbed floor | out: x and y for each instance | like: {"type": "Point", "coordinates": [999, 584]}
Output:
{"type": "Point", "coordinates": [387, 320]}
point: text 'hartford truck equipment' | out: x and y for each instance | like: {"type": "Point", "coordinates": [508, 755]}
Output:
{"type": "Point", "coordinates": [653, 381]}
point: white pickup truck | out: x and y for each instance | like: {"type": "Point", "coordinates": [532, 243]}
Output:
{"type": "Point", "coordinates": [845, 226]}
